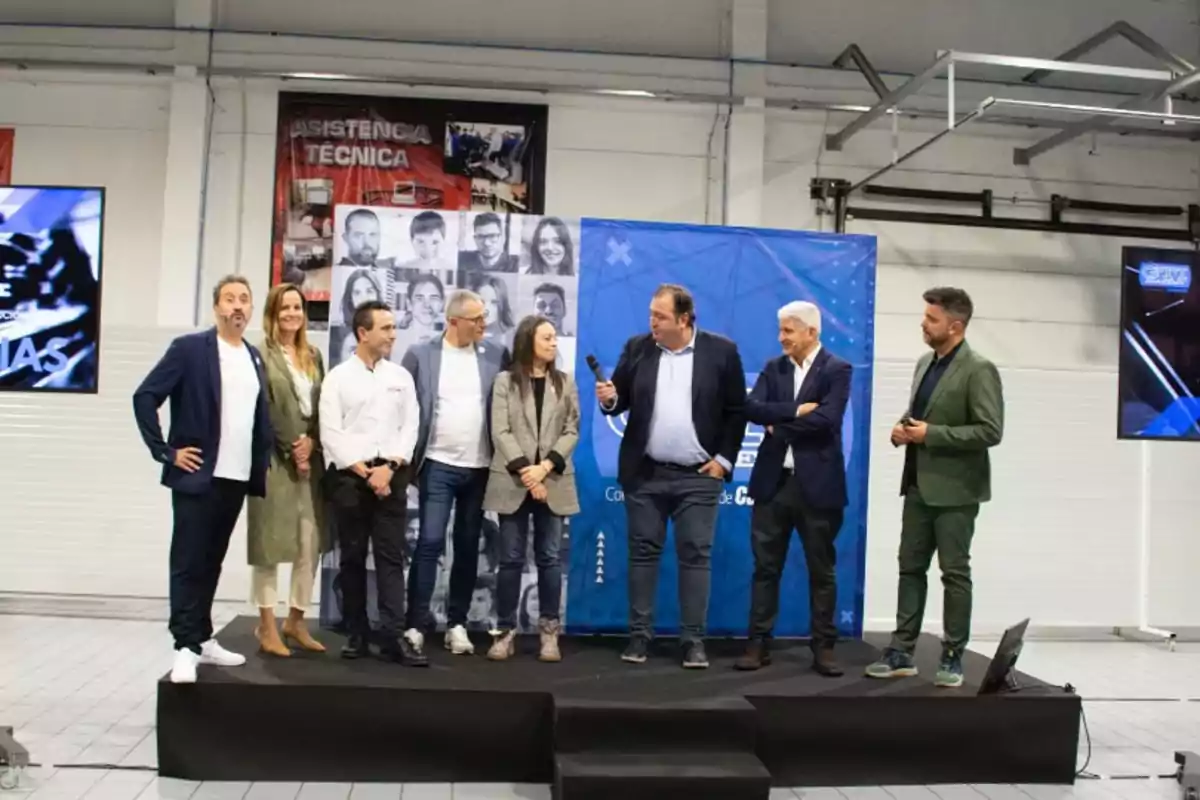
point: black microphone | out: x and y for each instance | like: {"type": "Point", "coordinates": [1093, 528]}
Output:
{"type": "Point", "coordinates": [594, 366]}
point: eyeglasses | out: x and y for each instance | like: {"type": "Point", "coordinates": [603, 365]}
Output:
{"type": "Point", "coordinates": [479, 320]}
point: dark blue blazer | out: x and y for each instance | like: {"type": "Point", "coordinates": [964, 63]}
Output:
{"type": "Point", "coordinates": [816, 438]}
{"type": "Point", "coordinates": [189, 374]}
{"type": "Point", "coordinates": [718, 399]}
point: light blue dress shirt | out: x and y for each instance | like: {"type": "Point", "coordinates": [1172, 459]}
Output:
{"type": "Point", "coordinates": [673, 437]}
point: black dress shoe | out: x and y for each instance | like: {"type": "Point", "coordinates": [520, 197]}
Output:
{"type": "Point", "coordinates": [694, 656]}
{"type": "Point", "coordinates": [409, 655]}
{"type": "Point", "coordinates": [404, 652]}
{"type": "Point", "coordinates": [757, 656]}
{"type": "Point", "coordinates": [824, 662]}
{"type": "Point", "coordinates": [356, 647]}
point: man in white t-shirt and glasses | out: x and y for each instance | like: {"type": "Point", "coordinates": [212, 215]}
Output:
{"type": "Point", "coordinates": [214, 455]}
{"type": "Point", "coordinates": [368, 418]}
{"type": "Point", "coordinates": [454, 376]}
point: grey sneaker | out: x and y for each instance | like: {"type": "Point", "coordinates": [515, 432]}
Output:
{"type": "Point", "coordinates": [893, 664]}
{"type": "Point", "coordinates": [950, 671]}
{"type": "Point", "coordinates": [637, 650]}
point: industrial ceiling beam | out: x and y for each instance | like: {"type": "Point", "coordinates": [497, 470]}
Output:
{"type": "Point", "coordinates": [1022, 156]}
{"type": "Point", "coordinates": [854, 53]}
{"type": "Point", "coordinates": [1119, 29]}
{"type": "Point", "coordinates": [834, 141]}
{"type": "Point", "coordinates": [947, 61]}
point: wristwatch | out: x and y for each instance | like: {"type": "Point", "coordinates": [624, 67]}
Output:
{"type": "Point", "coordinates": [394, 466]}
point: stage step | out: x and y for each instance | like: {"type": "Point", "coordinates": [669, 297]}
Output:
{"type": "Point", "coordinates": [660, 776]}
{"type": "Point", "coordinates": [726, 725]}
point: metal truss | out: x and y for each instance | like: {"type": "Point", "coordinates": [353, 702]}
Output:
{"type": "Point", "coordinates": [1178, 75]}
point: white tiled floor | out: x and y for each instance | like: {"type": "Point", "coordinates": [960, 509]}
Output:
{"type": "Point", "coordinates": [81, 692]}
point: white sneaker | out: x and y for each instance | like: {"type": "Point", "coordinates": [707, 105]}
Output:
{"type": "Point", "coordinates": [458, 642]}
{"type": "Point", "coordinates": [213, 653]}
{"type": "Point", "coordinates": [184, 668]}
{"type": "Point", "coordinates": [415, 638]}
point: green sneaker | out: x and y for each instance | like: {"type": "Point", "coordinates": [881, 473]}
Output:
{"type": "Point", "coordinates": [950, 671]}
{"type": "Point", "coordinates": [893, 664]}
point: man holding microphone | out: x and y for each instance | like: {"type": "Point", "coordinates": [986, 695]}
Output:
{"type": "Point", "coordinates": [685, 392]}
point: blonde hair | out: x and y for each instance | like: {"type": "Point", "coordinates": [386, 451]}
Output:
{"type": "Point", "coordinates": [304, 359]}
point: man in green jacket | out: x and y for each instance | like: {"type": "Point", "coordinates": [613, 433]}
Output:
{"type": "Point", "coordinates": [955, 415]}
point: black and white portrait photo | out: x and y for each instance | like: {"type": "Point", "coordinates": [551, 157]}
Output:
{"type": "Point", "coordinates": [549, 246]}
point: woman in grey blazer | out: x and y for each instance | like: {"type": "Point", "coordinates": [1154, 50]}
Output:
{"type": "Point", "coordinates": [535, 427]}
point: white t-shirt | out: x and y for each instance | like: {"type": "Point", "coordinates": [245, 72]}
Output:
{"type": "Point", "coordinates": [459, 436]}
{"type": "Point", "coordinates": [239, 396]}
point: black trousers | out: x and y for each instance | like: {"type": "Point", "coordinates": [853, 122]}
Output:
{"type": "Point", "coordinates": [771, 526]}
{"type": "Point", "coordinates": [363, 518]}
{"type": "Point", "coordinates": [203, 524]}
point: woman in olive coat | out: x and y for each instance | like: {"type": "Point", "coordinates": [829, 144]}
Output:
{"type": "Point", "coordinates": [288, 526]}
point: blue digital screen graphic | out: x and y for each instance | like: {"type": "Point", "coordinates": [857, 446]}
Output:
{"type": "Point", "coordinates": [50, 277]}
{"type": "Point", "coordinates": [1159, 366]}
{"type": "Point", "coordinates": [1168, 277]}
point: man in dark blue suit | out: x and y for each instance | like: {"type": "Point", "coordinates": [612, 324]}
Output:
{"type": "Point", "coordinates": [215, 454]}
{"type": "Point", "coordinates": [798, 481]}
{"type": "Point", "coordinates": [685, 392]}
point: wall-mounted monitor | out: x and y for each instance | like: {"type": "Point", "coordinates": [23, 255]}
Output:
{"type": "Point", "coordinates": [1159, 372]}
{"type": "Point", "coordinates": [50, 278]}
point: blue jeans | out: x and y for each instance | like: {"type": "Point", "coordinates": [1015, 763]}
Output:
{"type": "Point", "coordinates": [547, 540]}
{"type": "Point", "coordinates": [444, 487]}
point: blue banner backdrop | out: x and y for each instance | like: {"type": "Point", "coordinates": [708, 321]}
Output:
{"type": "Point", "coordinates": [740, 277]}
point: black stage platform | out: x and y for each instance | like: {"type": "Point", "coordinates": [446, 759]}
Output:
{"type": "Point", "coordinates": [595, 726]}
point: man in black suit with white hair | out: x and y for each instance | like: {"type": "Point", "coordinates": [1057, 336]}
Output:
{"type": "Point", "coordinates": [798, 481]}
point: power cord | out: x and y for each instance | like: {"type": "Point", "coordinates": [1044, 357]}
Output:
{"type": "Point", "coordinates": [1083, 772]}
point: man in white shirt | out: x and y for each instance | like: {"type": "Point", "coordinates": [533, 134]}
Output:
{"type": "Point", "coordinates": [798, 481]}
{"type": "Point", "coordinates": [454, 375]}
{"type": "Point", "coordinates": [215, 454]}
{"type": "Point", "coordinates": [368, 418]}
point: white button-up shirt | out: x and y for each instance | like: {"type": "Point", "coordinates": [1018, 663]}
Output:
{"type": "Point", "coordinates": [368, 413]}
{"type": "Point", "coordinates": [802, 368]}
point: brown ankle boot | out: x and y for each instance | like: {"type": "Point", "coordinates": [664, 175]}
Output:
{"type": "Point", "coordinates": [295, 630]}
{"type": "Point", "coordinates": [824, 662]}
{"type": "Point", "coordinates": [268, 635]}
{"type": "Point", "coordinates": [504, 645]}
{"type": "Point", "coordinates": [548, 628]}
{"type": "Point", "coordinates": [757, 655]}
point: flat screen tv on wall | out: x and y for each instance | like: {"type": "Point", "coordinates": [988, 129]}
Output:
{"type": "Point", "coordinates": [1159, 370]}
{"type": "Point", "coordinates": [50, 287]}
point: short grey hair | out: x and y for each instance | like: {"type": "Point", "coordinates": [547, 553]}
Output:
{"type": "Point", "coordinates": [459, 300]}
{"type": "Point", "coordinates": [807, 314]}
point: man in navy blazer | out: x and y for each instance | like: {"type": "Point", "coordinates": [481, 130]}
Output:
{"type": "Point", "coordinates": [798, 481]}
{"type": "Point", "coordinates": [215, 454]}
{"type": "Point", "coordinates": [685, 392]}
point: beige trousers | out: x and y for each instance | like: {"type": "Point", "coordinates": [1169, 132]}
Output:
{"type": "Point", "coordinates": [265, 580]}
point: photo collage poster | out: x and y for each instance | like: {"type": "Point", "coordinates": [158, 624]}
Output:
{"type": "Point", "coordinates": [414, 260]}
{"type": "Point", "coordinates": [404, 153]}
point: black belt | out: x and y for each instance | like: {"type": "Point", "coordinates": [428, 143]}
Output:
{"type": "Point", "coordinates": [676, 467]}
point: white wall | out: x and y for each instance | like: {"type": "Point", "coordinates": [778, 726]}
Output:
{"type": "Point", "coordinates": [78, 517]}
{"type": "Point", "coordinates": [1061, 541]}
